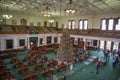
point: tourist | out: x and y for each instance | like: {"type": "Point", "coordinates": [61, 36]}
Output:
{"type": "Point", "coordinates": [97, 67]}
{"type": "Point", "coordinates": [114, 62]}
{"type": "Point", "coordinates": [64, 78]}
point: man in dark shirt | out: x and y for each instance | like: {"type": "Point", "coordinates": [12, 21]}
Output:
{"type": "Point", "coordinates": [97, 67]}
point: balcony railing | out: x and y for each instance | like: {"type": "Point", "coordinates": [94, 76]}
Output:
{"type": "Point", "coordinates": [44, 30]}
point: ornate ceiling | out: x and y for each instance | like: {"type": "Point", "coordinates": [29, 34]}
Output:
{"type": "Point", "coordinates": [57, 7]}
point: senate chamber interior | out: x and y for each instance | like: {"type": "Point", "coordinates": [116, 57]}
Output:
{"type": "Point", "coordinates": [59, 39]}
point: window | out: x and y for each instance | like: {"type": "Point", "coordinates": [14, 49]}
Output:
{"type": "Point", "coordinates": [69, 24]}
{"type": "Point", "coordinates": [103, 24]}
{"type": "Point", "coordinates": [117, 27]}
{"type": "Point", "coordinates": [9, 44]}
{"type": "Point", "coordinates": [83, 24]}
{"type": "Point", "coordinates": [108, 46]}
{"type": "Point", "coordinates": [102, 44]}
{"type": "Point", "coordinates": [22, 42]}
{"type": "Point", "coordinates": [110, 25]}
{"type": "Point", "coordinates": [73, 24]}
{"type": "Point", "coordinates": [115, 46]}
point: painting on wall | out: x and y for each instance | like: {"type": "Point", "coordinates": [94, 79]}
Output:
{"type": "Point", "coordinates": [49, 40]}
{"type": "Point", "coordinates": [9, 44]}
{"type": "Point", "coordinates": [55, 39]}
{"type": "Point", "coordinates": [22, 42]}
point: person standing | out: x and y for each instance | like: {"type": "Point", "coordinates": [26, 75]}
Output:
{"type": "Point", "coordinates": [97, 67]}
{"type": "Point", "coordinates": [64, 78]}
{"type": "Point", "coordinates": [114, 62]}
{"type": "Point", "coordinates": [71, 69]}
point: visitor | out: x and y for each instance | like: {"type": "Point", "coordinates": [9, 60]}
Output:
{"type": "Point", "coordinates": [97, 67]}
{"type": "Point", "coordinates": [114, 62]}
{"type": "Point", "coordinates": [64, 78]}
{"type": "Point", "coordinates": [117, 60]}
{"type": "Point", "coordinates": [98, 49]}
{"type": "Point", "coordinates": [108, 55]}
{"type": "Point", "coordinates": [71, 69]}
{"type": "Point", "coordinates": [114, 52]}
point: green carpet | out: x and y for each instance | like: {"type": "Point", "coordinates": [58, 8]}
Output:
{"type": "Point", "coordinates": [80, 71]}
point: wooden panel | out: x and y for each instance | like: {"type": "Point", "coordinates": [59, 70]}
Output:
{"type": "Point", "coordinates": [56, 24]}
{"type": "Point", "coordinates": [112, 43]}
{"type": "Point", "coordinates": [119, 45]}
{"type": "Point", "coordinates": [45, 23]}
{"type": "Point", "coordinates": [105, 43]}
{"type": "Point", "coordinates": [99, 44]}
{"type": "Point", "coordinates": [23, 22]}
{"type": "Point", "coordinates": [80, 43]}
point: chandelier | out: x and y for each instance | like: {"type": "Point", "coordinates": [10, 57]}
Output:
{"type": "Point", "coordinates": [7, 16]}
{"type": "Point", "coordinates": [46, 13]}
{"type": "Point", "coordinates": [50, 20]}
{"type": "Point", "coordinates": [70, 8]}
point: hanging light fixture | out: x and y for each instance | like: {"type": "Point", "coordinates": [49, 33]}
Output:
{"type": "Point", "coordinates": [70, 8]}
{"type": "Point", "coordinates": [46, 13]}
{"type": "Point", "coordinates": [50, 20]}
{"type": "Point", "coordinates": [7, 16]}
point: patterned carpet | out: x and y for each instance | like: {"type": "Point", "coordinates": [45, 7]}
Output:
{"type": "Point", "coordinates": [81, 70]}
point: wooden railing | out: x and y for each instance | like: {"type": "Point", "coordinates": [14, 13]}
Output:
{"type": "Point", "coordinates": [89, 32]}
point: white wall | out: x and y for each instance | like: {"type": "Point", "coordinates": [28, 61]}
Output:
{"type": "Point", "coordinates": [93, 20]}
{"type": "Point", "coordinates": [17, 37]}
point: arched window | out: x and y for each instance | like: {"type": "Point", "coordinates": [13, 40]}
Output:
{"type": "Point", "coordinates": [81, 24]}
{"type": "Point", "coordinates": [104, 24]}
{"type": "Point", "coordinates": [85, 24]}
{"type": "Point", "coordinates": [115, 46]}
{"type": "Point", "coordinates": [102, 44]}
{"type": "Point", "coordinates": [69, 24]}
{"type": "Point", "coordinates": [117, 27]}
{"type": "Point", "coordinates": [73, 24]}
{"type": "Point", "coordinates": [110, 25]}
{"type": "Point", "coordinates": [108, 46]}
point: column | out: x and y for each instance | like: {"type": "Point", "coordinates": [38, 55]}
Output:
{"type": "Point", "coordinates": [15, 43]}
{"type": "Point", "coordinates": [112, 43]}
{"type": "Point", "coordinates": [38, 41]}
{"type": "Point", "coordinates": [85, 43]}
{"type": "Point", "coordinates": [52, 39]}
{"type": "Point", "coordinates": [28, 42]}
{"type": "Point", "coordinates": [105, 43]}
{"type": "Point", "coordinates": [2, 44]}
{"type": "Point", "coordinates": [45, 40]}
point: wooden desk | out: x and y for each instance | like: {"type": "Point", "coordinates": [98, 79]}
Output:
{"type": "Point", "coordinates": [62, 67]}
{"type": "Point", "coordinates": [47, 72]}
{"type": "Point", "coordinates": [31, 76]}
{"type": "Point", "coordinates": [102, 63]}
